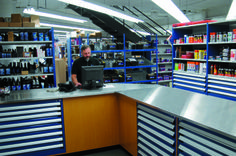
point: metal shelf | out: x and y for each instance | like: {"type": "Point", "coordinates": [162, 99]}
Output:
{"type": "Point", "coordinates": [220, 61]}
{"type": "Point", "coordinates": [107, 51]}
{"type": "Point", "coordinates": [214, 43]}
{"type": "Point", "coordinates": [164, 81]}
{"type": "Point", "coordinates": [183, 59]}
{"type": "Point", "coordinates": [164, 54]}
{"type": "Point", "coordinates": [112, 68]}
{"type": "Point", "coordinates": [147, 66]}
{"type": "Point", "coordinates": [138, 50]}
{"type": "Point", "coordinates": [183, 44]}
{"type": "Point", "coordinates": [24, 42]}
{"type": "Point", "coordinates": [25, 28]}
{"type": "Point", "coordinates": [24, 58]}
{"type": "Point", "coordinates": [190, 26]}
{"type": "Point", "coordinates": [75, 54]}
{"type": "Point", "coordinates": [164, 63]}
{"type": "Point", "coordinates": [25, 75]}
{"type": "Point", "coordinates": [144, 81]}
{"type": "Point", "coordinates": [164, 72]}
{"type": "Point", "coordinates": [163, 45]}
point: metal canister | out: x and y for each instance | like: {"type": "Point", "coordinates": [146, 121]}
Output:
{"type": "Point", "coordinates": [34, 36]}
{"type": "Point", "coordinates": [22, 36]}
{"type": "Point", "coordinates": [41, 36]}
{"type": "Point", "coordinates": [234, 35]}
{"type": "Point", "coordinates": [26, 36]}
{"type": "Point", "coordinates": [196, 54]}
{"type": "Point", "coordinates": [185, 38]}
{"type": "Point", "coordinates": [230, 36]}
{"type": "Point", "coordinates": [225, 37]}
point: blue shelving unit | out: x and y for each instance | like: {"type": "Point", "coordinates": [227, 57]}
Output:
{"type": "Point", "coordinates": [161, 48]}
{"type": "Point", "coordinates": [206, 83]}
{"type": "Point", "coordinates": [48, 30]}
{"type": "Point", "coordinates": [124, 50]}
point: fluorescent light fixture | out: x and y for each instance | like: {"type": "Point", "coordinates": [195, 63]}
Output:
{"type": "Point", "coordinates": [141, 32]}
{"type": "Point", "coordinates": [172, 9]}
{"type": "Point", "coordinates": [169, 31]}
{"type": "Point", "coordinates": [101, 9]}
{"type": "Point", "coordinates": [67, 27]}
{"type": "Point", "coordinates": [49, 15]}
{"type": "Point", "coordinates": [232, 12]}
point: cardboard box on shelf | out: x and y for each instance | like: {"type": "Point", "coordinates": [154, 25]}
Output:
{"type": "Point", "coordinates": [4, 24]}
{"type": "Point", "coordinates": [60, 70]}
{"type": "Point", "coordinates": [181, 51]}
{"type": "Point", "coordinates": [81, 35]}
{"type": "Point", "coordinates": [28, 24]}
{"type": "Point", "coordinates": [92, 35]}
{"type": "Point", "coordinates": [16, 18]}
{"type": "Point", "coordinates": [26, 20]}
{"type": "Point", "coordinates": [10, 36]}
{"type": "Point", "coordinates": [26, 54]}
{"type": "Point", "coordinates": [12, 24]}
{"type": "Point", "coordinates": [24, 72]}
{"type": "Point", "coordinates": [35, 19]}
{"type": "Point", "coordinates": [1, 19]}
{"type": "Point", "coordinates": [98, 34]}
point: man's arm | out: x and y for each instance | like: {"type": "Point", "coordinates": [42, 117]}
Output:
{"type": "Point", "coordinates": [74, 80]}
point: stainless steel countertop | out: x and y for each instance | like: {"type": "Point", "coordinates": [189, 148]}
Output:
{"type": "Point", "coordinates": [213, 112]}
{"type": "Point", "coordinates": [43, 94]}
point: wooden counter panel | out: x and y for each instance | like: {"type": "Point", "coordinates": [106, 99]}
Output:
{"type": "Point", "coordinates": [128, 124]}
{"type": "Point", "coordinates": [91, 122]}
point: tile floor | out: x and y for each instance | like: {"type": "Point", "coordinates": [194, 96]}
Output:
{"type": "Point", "coordinates": [108, 151]}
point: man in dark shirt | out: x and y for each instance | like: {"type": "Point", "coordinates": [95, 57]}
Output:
{"type": "Point", "coordinates": [85, 60]}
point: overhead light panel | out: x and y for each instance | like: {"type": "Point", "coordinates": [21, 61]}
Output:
{"type": "Point", "coordinates": [67, 27]}
{"type": "Point", "coordinates": [172, 9]}
{"type": "Point", "coordinates": [232, 12]}
{"type": "Point", "coordinates": [32, 11]}
{"type": "Point", "coordinates": [101, 9]}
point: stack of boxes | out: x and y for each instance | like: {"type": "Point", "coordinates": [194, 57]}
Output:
{"type": "Point", "coordinates": [17, 20]}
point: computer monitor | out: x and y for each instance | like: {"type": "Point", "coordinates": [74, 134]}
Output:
{"type": "Point", "coordinates": [92, 76]}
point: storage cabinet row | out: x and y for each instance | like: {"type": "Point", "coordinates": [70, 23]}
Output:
{"type": "Point", "coordinates": [206, 66]}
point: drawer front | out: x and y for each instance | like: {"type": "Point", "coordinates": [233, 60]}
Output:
{"type": "Point", "coordinates": [222, 87]}
{"type": "Point", "coordinates": [197, 140]}
{"type": "Point", "coordinates": [190, 82]}
{"type": "Point", "coordinates": [156, 132]}
{"type": "Point", "coordinates": [32, 128]}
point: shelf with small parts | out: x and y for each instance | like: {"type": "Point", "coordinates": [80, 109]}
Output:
{"type": "Point", "coordinates": [33, 68]}
{"type": "Point", "coordinates": [118, 58]}
{"type": "Point", "coordinates": [163, 59]}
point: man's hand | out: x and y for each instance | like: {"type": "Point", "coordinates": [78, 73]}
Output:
{"type": "Point", "coordinates": [78, 84]}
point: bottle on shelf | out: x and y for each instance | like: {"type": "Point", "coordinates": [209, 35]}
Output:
{"type": "Point", "coordinates": [8, 70]}
{"type": "Point", "coordinates": [215, 70]}
{"type": "Point", "coordinates": [2, 70]}
{"type": "Point", "coordinates": [13, 87]}
{"type": "Point", "coordinates": [212, 69]}
{"type": "Point", "coordinates": [18, 84]}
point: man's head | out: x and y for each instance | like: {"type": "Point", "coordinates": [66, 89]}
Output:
{"type": "Point", "coordinates": [86, 51]}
